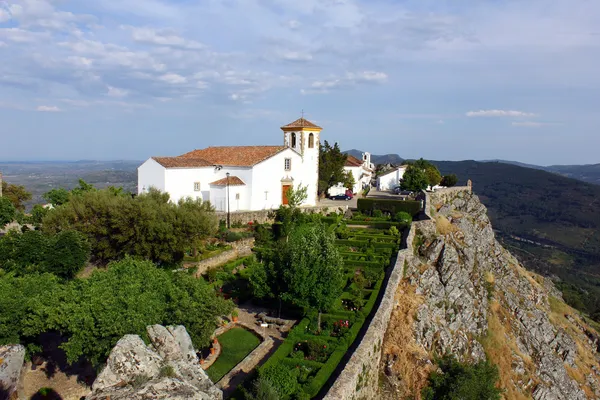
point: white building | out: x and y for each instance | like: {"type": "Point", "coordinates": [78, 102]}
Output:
{"type": "Point", "coordinates": [362, 170]}
{"type": "Point", "coordinates": [390, 179]}
{"type": "Point", "coordinates": [252, 177]}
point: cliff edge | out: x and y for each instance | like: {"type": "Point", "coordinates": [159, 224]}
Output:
{"type": "Point", "coordinates": [463, 293]}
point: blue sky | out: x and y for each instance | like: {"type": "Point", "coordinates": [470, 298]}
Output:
{"type": "Point", "coordinates": [130, 79]}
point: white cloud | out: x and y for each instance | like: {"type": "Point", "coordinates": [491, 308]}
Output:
{"type": "Point", "coordinates": [116, 92]}
{"type": "Point", "coordinates": [349, 80]}
{"type": "Point", "coordinates": [293, 24]}
{"type": "Point", "coordinates": [163, 37]}
{"type": "Point", "coordinates": [48, 109]}
{"type": "Point", "coordinates": [296, 56]}
{"type": "Point", "coordinates": [530, 124]}
{"type": "Point", "coordinates": [173, 78]}
{"type": "Point", "coordinates": [499, 113]}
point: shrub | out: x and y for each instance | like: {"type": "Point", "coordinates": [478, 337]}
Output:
{"type": "Point", "coordinates": [7, 211]}
{"type": "Point", "coordinates": [282, 378]}
{"type": "Point", "coordinates": [462, 381]}
{"type": "Point", "coordinates": [403, 217]}
{"type": "Point", "coordinates": [233, 236]}
{"type": "Point", "coordinates": [369, 206]}
{"type": "Point", "coordinates": [377, 213]}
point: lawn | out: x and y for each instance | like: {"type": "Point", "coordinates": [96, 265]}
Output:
{"type": "Point", "coordinates": [236, 344]}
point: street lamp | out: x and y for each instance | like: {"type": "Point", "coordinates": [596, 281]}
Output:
{"type": "Point", "coordinates": [228, 219]}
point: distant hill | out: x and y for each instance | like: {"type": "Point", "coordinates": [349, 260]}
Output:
{"type": "Point", "coordinates": [588, 173]}
{"type": "Point", "coordinates": [377, 159]}
{"type": "Point", "coordinates": [560, 217]}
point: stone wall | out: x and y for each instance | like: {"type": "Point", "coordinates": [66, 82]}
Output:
{"type": "Point", "coordinates": [241, 248]}
{"type": "Point", "coordinates": [443, 196]}
{"type": "Point", "coordinates": [11, 362]}
{"type": "Point", "coordinates": [360, 377]}
{"type": "Point", "coordinates": [263, 216]}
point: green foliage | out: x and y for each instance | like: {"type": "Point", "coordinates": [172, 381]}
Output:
{"type": "Point", "coordinates": [449, 180]}
{"type": "Point", "coordinates": [349, 180]}
{"type": "Point", "coordinates": [147, 226]}
{"type": "Point", "coordinates": [282, 378]}
{"type": "Point", "coordinates": [16, 194]}
{"type": "Point", "coordinates": [297, 196]}
{"type": "Point", "coordinates": [313, 268]}
{"type": "Point", "coordinates": [403, 217]}
{"type": "Point", "coordinates": [331, 166]}
{"type": "Point", "coordinates": [63, 254]}
{"type": "Point", "coordinates": [433, 176]}
{"type": "Point", "coordinates": [370, 205]}
{"type": "Point", "coordinates": [7, 211]}
{"type": "Point", "coordinates": [37, 214]}
{"type": "Point", "coordinates": [167, 371]}
{"type": "Point", "coordinates": [57, 197]}
{"type": "Point", "coordinates": [20, 297]}
{"type": "Point", "coordinates": [459, 381]}
{"type": "Point", "coordinates": [263, 390]}
{"type": "Point", "coordinates": [414, 179]}
{"type": "Point", "coordinates": [93, 314]}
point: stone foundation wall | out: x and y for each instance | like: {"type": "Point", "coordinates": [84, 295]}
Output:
{"type": "Point", "coordinates": [360, 377]}
{"type": "Point", "coordinates": [262, 216]}
{"type": "Point", "coordinates": [241, 248]}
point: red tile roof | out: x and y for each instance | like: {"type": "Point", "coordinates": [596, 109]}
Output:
{"type": "Point", "coordinates": [179, 162]}
{"type": "Point", "coordinates": [239, 156]}
{"type": "Point", "coordinates": [233, 181]}
{"type": "Point", "coordinates": [352, 161]}
{"type": "Point", "coordinates": [301, 123]}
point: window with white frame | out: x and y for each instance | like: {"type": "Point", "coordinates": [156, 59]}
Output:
{"type": "Point", "coordinates": [288, 164]}
{"type": "Point", "coordinates": [266, 195]}
{"type": "Point", "coordinates": [237, 196]}
{"type": "Point", "coordinates": [196, 186]}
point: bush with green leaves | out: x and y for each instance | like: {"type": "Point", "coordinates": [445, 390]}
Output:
{"type": "Point", "coordinates": [283, 379]}
{"type": "Point", "coordinates": [403, 217]}
{"type": "Point", "coordinates": [7, 212]}
{"type": "Point", "coordinates": [449, 180]}
{"type": "Point", "coordinates": [63, 254]}
{"type": "Point", "coordinates": [461, 381]}
{"type": "Point", "coordinates": [147, 226]}
{"type": "Point", "coordinates": [94, 313]}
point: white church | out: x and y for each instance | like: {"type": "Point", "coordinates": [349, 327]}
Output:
{"type": "Point", "coordinates": [252, 177]}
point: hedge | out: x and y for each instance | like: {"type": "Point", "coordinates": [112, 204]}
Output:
{"type": "Point", "coordinates": [377, 224]}
{"type": "Point", "coordinates": [325, 372]}
{"type": "Point", "coordinates": [368, 205]}
{"type": "Point", "coordinates": [364, 243]}
{"type": "Point", "coordinates": [293, 362]}
{"type": "Point", "coordinates": [368, 264]}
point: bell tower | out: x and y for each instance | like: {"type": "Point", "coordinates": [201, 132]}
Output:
{"type": "Point", "coordinates": [304, 137]}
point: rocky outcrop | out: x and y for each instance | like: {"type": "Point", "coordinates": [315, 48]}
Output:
{"type": "Point", "coordinates": [11, 362]}
{"type": "Point", "coordinates": [168, 369]}
{"type": "Point", "coordinates": [477, 302]}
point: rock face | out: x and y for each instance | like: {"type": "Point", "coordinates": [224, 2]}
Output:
{"type": "Point", "coordinates": [11, 362]}
{"type": "Point", "coordinates": [473, 299]}
{"type": "Point", "coordinates": [168, 370]}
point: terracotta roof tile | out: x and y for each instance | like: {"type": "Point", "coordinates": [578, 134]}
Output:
{"type": "Point", "coordinates": [239, 156]}
{"type": "Point", "coordinates": [301, 123]}
{"type": "Point", "coordinates": [179, 162]}
{"type": "Point", "coordinates": [233, 181]}
{"type": "Point", "coordinates": [352, 161]}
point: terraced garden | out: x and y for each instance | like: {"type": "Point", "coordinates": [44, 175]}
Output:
{"type": "Point", "coordinates": [308, 355]}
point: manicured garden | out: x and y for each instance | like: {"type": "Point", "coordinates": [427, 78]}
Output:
{"type": "Point", "coordinates": [236, 344]}
{"type": "Point", "coordinates": [309, 355]}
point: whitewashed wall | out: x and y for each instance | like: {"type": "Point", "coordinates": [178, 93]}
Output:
{"type": "Point", "coordinates": [390, 180]}
{"type": "Point", "coordinates": [151, 174]}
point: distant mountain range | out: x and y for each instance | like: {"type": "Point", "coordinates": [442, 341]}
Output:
{"type": "Point", "coordinates": [587, 173]}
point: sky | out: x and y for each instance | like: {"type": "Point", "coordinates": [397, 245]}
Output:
{"type": "Point", "coordinates": [439, 79]}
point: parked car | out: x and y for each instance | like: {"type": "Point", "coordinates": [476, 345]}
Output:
{"type": "Point", "coordinates": [348, 195]}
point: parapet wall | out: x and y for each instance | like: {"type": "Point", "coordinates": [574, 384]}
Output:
{"type": "Point", "coordinates": [360, 377]}
{"type": "Point", "coordinates": [262, 216]}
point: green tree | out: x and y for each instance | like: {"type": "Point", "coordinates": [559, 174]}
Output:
{"type": "Point", "coordinates": [83, 188]}
{"type": "Point", "coordinates": [263, 389]}
{"type": "Point", "coordinates": [331, 166]}
{"type": "Point", "coordinates": [414, 179]}
{"type": "Point", "coordinates": [7, 211]}
{"type": "Point", "coordinates": [433, 176]}
{"type": "Point", "coordinates": [147, 226]}
{"type": "Point", "coordinates": [38, 213]}
{"type": "Point", "coordinates": [459, 381]}
{"type": "Point", "coordinates": [93, 314]}
{"type": "Point", "coordinates": [57, 197]}
{"type": "Point", "coordinates": [349, 180]}
{"type": "Point", "coordinates": [297, 196]}
{"type": "Point", "coordinates": [281, 378]}
{"type": "Point", "coordinates": [17, 194]}
{"type": "Point", "coordinates": [313, 268]}
{"type": "Point", "coordinates": [67, 253]}
{"type": "Point", "coordinates": [449, 180]}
